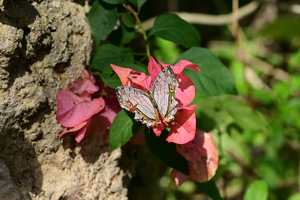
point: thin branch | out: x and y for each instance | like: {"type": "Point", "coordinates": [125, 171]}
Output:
{"type": "Point", "coordinates": [213, 20]}
{"type": "Point", "coordinates": [136, 16]}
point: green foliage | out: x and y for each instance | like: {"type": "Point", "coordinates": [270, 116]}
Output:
{"type": "Point", "coordinates": [284, 29]}
{"type": "Point", "coordinates": [256, 132]}
{"type": "Point", "coordinates": [128, 20]}
{"type": "Point", "coordinates": [166, 151]}
{"type": "Point", "coordinates": [214, 78]}
{"type": "Point", "coordinates": [173, 28]}
{"type": "Point", "coordinates": [138, 3]}
{"type": "Point", "coordinates": [257, 190]}
{"type": "Point", "coordinates": [122, 129]}
{"type": "Point", "coordinates": [102, 18]}
{"type": "Point", "coordinates": [110, 54]}
{"type": "Point", "coordinates": [294, 60]}
{"type": "Point", "coordinates": [294, 197]}
{"type": "Point", "coordinates": [115, 1]}
{"type": "Point", "coordinates": [210, 189]}
{"type": "Point", "coordinates": [122, 36]}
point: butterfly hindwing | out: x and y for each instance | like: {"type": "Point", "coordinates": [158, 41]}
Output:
{"type": "Point", "coordinates": [139, 102]}
{"type": "Point", "coordinates": [164, 83]}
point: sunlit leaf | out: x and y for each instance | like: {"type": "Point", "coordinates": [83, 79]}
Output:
{"type": "Point", "coordinates": [294, 197]}
{"type": "Point", "coordinates": [258, 190]}
{"type": "Point", "coordinates": [173, 28]}
{"type": "Point", "coordinates": [122, 129]}
{"type": "Point", "coordinates": [244, 116]}
{"type": "Point", "coordinates": [213, 78]}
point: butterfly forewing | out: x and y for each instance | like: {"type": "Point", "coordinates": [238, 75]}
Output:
{"type": "Point", "coordinates": [164, 83]}
{"type": "Point", "coordinates": [139, 102]}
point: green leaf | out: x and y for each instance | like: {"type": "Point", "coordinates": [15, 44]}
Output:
{"type": "Point", "coordinates": [128, 20]}
{"type": "Point", "coordinates": [210, 189]}
{"type": "Point", "coordinates": [122, 129]}
{"type": "Point", "coordinates": [138, 3]}
{"type": "Point", "coordinates": [110, 54]}
{"type": "Point", "coordinates": [122, 35]}
{"type": "Point", "coordinates": [244, 116]}
{"type": "Point", "coordinates": [166, 151]}
{"type": "Point", "coordinates": [258, 190]}
{"type": "Point", "coordinates": [284, 29]}
{"type": "Point", "coordinates": [294, 60]}
{"type": "Point", "coordinates": [294, 196]}
{"type": "Point", "coordinates": [214, 78]}
{"type": "Point", "coordinates": [102, 18]}
{"type": "Point", "coordinates": [173, 28]}
{"type": "Point", "coordinates": [115, 1]}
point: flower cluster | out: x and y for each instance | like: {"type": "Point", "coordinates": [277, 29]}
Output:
{"type": "Point", "coordinates": [80, 112]}
{"type": "Point", "coordinates": [184, 129]}
{"type": "Point", "coordinates": [88, 103]}
{"type": "Point", "coordinates": [195, 145]}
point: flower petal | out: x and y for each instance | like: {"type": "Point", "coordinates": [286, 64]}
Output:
{"type": "Point", "coordinates": [184, 129]}
{"type": "Point", "coordinates": [122, 73]}
{"type": "Point", "coordinates": [73, 110]}
{"type": "Point", "coordinates": [108, 114]}
{"type": "Point", "coordinates": [74, 130]}
{"type": "Point", "coordinates": [153, 68]}
{"type": "Point", "coordinates": [84, 85]}
{"type": "Point", "coordinates": [178, 177]}
{"type": "Point", "coordinates": [140, 80]}
{"type": "Point", "coordinates": [88, 129]}
{"type": "Point", "coordinates": [202, 157]}
{"type": "Point", "coordinates": [179, 67]}
{"type": "Point", "coordinates": [186, 90]}
{"type": "Point", "coordinates": [158, 129]}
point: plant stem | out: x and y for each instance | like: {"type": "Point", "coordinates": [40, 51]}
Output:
{"type": "Point", "coordinates": [240, 51]}
{"type": "Point", "coordinates": [136, 16]}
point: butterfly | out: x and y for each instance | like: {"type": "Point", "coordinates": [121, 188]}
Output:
{"type": "Point", "coordinates": [150, 107]}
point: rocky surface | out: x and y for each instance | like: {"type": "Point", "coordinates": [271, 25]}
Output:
{"type": "Point", "coordinates": [44, 45]}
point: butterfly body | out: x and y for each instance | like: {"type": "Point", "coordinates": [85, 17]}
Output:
{"type": "Point", "coordinates": [151, 107]}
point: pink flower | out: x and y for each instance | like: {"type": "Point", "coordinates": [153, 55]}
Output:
{"type": "Point", "coordinates": [202, 156]}
{"type": "Point", "coordinates": [79, 112]}
{"type": "Point", "coordinates": [184, 129]}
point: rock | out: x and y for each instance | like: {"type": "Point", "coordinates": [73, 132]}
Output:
{"type": "Point", "coordinates": [44, 45]}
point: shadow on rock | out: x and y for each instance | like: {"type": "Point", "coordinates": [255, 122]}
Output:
{"type": "Point", "coordinates": [91, 147]}
{"type": "Point", "coordinates": [18, 13]}
{"type": "Point", "coordinates": [20, 169]}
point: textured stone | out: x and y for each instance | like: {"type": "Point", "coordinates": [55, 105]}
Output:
{"type": "Point", "coordinates": [44, 45]}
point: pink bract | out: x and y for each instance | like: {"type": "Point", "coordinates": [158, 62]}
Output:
{"type": "Point", "coordinates": [184, 129]}
{"type": "Point", "coordinates": [202, 156]}
{"type": "Point", "coordinates": [80, 113]}
{"type": "Point", "coordinates": [84, 85]}
{"type": "Point", "coordinates": [72, 110]}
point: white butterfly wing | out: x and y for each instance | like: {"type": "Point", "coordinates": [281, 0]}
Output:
{"type": "Point", "coordinates": [164, 83]}
{"type": "Point", "coordinates": [139, 102]}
